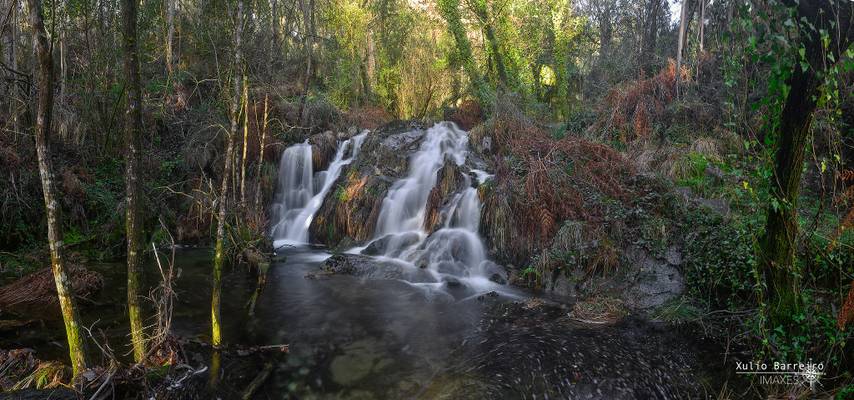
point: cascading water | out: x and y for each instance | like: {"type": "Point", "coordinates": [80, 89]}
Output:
{"type": "Point", "coordinates": [455, 252]}
{"type": "Point", "coordinates": [301, 192]}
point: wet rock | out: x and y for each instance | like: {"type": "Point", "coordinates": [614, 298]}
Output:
{"type": "Point", "coordinates": [370, 268]}
{"type": "Point", "coordinates": [352, 131]}
{"type": "Point", "coordinates": [453, 283]}
{"type": "Point", "coordinates": [323, 148]}
{"type": "Point", "coordinates": [348, 264]}
{"type": "Point", "coordinates": [498, 278]}
{"type": "Point", "coordinates": [391, 243]}
{"type": "Point", "coordinates": [449, 180]}
{"type": "Point", "coordinates": [350, 211]}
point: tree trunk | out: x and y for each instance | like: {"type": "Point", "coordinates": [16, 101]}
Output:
{"type": "Point", "coordinates": [702, 24]}
{"type": "Point", "coordinates": [451, 13]}
{"type": "Point", "coordinates": [170, 36]}
{"type": "Point", "coordinates": [650, 35]}
{"type": "Point", "coordinates": [680, 43]}
{"type": "Point", "coordinates": [496, 54]}
{"type": "Point", "coordinates": [781, 229]}
{"type": "Point", "coordinates": [63, 49]}
{"type": "Point", "coordinates": [67, 304]}
{"type": "Point", "coordinates": [274, 34]}
{"type": "Point", "coordinates": [13, 61]}
{"type": "Point", "coordinates": [308, 25]}
{"type": "Point", "coordinates": [219, 256]}
{"type": "Point", "coordinates": [133, 124]}
{"type": "Point", "coordinates": [259, 170]}
{"type": "Point", "coordinates": [245, 140]}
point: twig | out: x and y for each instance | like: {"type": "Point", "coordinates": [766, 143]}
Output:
{"type": "Point", "coordinates": [104, 384]}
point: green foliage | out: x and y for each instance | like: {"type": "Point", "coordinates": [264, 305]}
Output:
{"type": "Point", "coordinates": [720, 264]}
{"type": "Point", "coordinates": [809, 334]}
{"type": "Point", "coordinates": [693, 172]}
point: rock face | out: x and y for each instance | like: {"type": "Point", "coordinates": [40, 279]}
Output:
{"type": "Point", "coordinates": [655, 281]}
{"type": "Point", "coordinates": [349, 214]}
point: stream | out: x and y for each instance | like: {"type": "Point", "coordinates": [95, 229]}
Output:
{"type": "Point", "coordinates": [445, 327]}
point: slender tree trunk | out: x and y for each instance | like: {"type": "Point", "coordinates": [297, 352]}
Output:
{"type": "Point", "coordinates": [170, 36]}
{"type": "Point", "coordinates": [219, 256]}
{"type": "Point", "coordinates": [681, 42]}
{"type": "Point", "coordinates": [261, 156]}
{"type": "Point", "coordinates": [274, 32]}
{"type": "Point", "coordinates": [13, 61]}
{"type": "Point", "coordinates": [245, 140]}
{"type": "Point", "coordinates": [308, 16]}
{"type": "Point", "coordinates": [64, 290]}
{"type": "Point", "coordinates": [63, 49]}
{"type": "Point", "coordinates": [702, 24]}
{"type": "Point", "coordinates": [133, 124]}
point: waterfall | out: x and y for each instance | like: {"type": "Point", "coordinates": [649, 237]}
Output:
{"type": "Point", "coordinates": [455, 252]}
{"type": "Point", "coordinates": [301, 192]}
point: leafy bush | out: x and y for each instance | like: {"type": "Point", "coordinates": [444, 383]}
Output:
{"type": "Point", "coordinates": [721, 263]}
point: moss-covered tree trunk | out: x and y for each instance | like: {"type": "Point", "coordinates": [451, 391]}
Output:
{"type": "Point", "coordinates": [260, 165]}
{"type": "Point", "coordinates": [133, 123]}
{"type": "Point", "coordinates": [245, 147]}
{"type": "Point", "coordinates": [76, 349]}
{"type": "Point", "coordinates": [219, 249]}
{"type": "Point", "coordinates": [480, 9]}
{"type": "Point", "coordinates": [781, 229]}
{"type": "Point", "coordinates": [450, 11]}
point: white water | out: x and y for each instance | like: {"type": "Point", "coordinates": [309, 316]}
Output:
{"type": "Point", "coordinates": [301, 192]}
{"type": "Point", "coordinates": [452, 255]}
{"type": "Point", "coordinates": [455, 252]}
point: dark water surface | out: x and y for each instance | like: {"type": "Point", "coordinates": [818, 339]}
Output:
{"type": "Point", "coordinates": [356, 338]}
